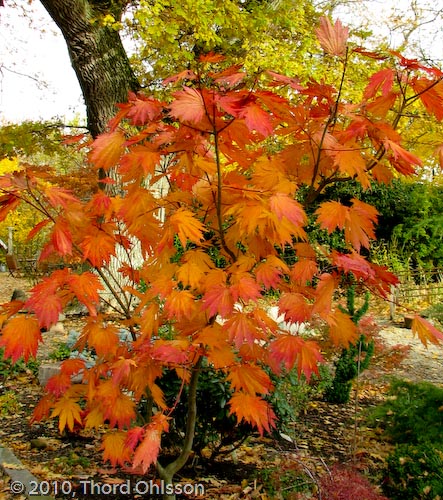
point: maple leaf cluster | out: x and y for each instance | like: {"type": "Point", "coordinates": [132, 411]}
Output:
{"type": "Point", "coordinates": [213, 190]}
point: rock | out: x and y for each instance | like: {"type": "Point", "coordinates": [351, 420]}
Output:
{"type": "Point", "coordinates": [46, 371]}
{"type": "Point", "coordinates": [57, 328]}
{"type": "Point", "coordinates": [18, 294]}
{"type": "Point", "coordinates": [39, 444]}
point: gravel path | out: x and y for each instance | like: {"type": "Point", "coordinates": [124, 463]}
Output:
{"type": "Point", "coordinates": [422, 363]}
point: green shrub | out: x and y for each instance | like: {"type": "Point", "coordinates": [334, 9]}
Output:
{"type": "Point", "coordinates": [9, 369]}
{"type": "Point", "coordinates": [412, 414]}
{"type": "Point", "coordinates": [415, 472]}
{"type": "Point", "coordinates": [61, 352]}
{"type": "Point", "coordinates": [352, 359]}
{"type": "Point", "coordinates": [215, 427]}
{"type": "Point", "coordinates": [288, 480]}
{"type": "Point", "coordinates": [413, 418]}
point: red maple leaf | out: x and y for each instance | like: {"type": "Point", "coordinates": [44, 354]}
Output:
{"type": "Point", "coordinates": [147, 451]}
{"type": "Point", "coordinates": [61, 237]}
{"type": "Point", "coordinates": [290, 350]}
{"type": "Point", "coordinates": [257, 119]}
{"type": "Point", "coordinates": [383, 79]}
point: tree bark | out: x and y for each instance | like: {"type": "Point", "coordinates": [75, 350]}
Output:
{"type": "Point", "coordinates": [97, 55]}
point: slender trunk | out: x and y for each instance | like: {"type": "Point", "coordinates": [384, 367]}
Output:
{"type": "Point", "coordinates": [167, 473]}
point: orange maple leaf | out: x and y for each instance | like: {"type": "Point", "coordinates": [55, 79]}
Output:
{"type": "Point", "coordinates": [244, 288]}
{"type": "Point", "coordinates": [94, 419]}
{"type": "Point", "coordinates": [332, 215]}
{"type": "Point", "coordinates": [252, 410]}
{"type": "Point", "coordinates": [59, 197]}
{"type": "Point", "coordinates": [115, 448]}
{"type": "Point", "coordinates": [37, 228]}
{"type": "Point", "coordinates": [122, 412]}
{"type": "Point", "coordinates": [139, 162]}
{"type": "Point", "coordinates": [303, 271]}
{"type": "Point", "coordinates": [102, 338]}
{"type": "Point", "coordinates": [357, 221]}
{"type": "Point", "coordinates": [342, 330]}
{"type": "Point", "coordinates": [42, 408]}
{"type": "Point", "coordinates": [431, 95]}
{"type": "Point", "coordinates": [107, 149]}
{"type": "Point", "coordinates": [188, 106]}
{"type": "Point", "coordinates": [68, 412]}
{"type": "Point", "coordinates": [20, 337]}
{"type": "Point", "coordinates": [86, 287]}
{"type": "Point", "coordinates": [324, 295]}
{"type": "Point", "coordinates": [180, 304]}
{"type": "Point", "coordinates": [402, 160]}
{"type": "Point", "coordinates": [284, 206]}
{"type": "Point", "coordinates": [196, 264]}
{"type": "Point", "coordinates": [61, 237]}
{"type": "Point", "coordinates": [425, 331]}
{"type": "Point", "coordinates": [270, 272]}
{"type": "Point", "coordinates": [98, 245]}
{"type": "Point", "coordinates": [249, 378]}
{"type": "Point", "coordinates": [359, 227]}
{"type": "Point", "coordinates": [187, 226]}
{"type": "Point", "coordinates": [73, 366]}
{"type": "Point", "coordinates": [295, 307]}
{"type": "Point", "coordinates": [333, 39]}
{"type": "Point", "coordinates": [218, 350]}
{"type": "Point", "coordinates": [116, 406]}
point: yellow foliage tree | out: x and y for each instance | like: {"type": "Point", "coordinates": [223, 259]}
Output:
{"type": "Point", "coordinates": [22, 220]}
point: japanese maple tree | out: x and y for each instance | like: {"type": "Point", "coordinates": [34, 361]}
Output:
{"type": "Point", "coordinates": [214, 187]}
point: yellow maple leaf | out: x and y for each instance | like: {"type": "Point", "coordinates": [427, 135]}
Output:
{"type": "Point", "coordinates": [68, 412]}
{"type": "Point", "coordinates": [115, 449]}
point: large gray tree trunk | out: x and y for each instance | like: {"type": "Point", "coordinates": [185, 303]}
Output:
{"type": "Point", "coordinates": [97, 55]}
{"type": "Point", "coordinates": [105, 76]}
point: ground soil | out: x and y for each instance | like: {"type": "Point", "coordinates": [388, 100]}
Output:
{"type": "Point", "coordinates": [321, 434]}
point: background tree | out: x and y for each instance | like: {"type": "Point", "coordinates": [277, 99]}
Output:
{"type": "Point", "coordinates": [97, 55]}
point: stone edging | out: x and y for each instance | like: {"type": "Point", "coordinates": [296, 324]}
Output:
{"type": "Point", "coordinates": [19, 475]}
